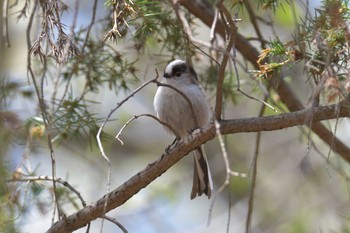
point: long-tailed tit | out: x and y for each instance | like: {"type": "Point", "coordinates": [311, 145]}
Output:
{"type": "Point", "coordinates": [174, 109]}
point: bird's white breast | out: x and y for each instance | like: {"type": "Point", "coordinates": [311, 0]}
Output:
{"type": "Point", "coordinates": [172, 107]}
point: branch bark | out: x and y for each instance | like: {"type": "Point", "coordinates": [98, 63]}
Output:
{"type": "Point", "coordinates": [184, 146]}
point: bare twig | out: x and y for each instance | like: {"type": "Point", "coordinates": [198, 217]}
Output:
{"type": "Point", "coordinates": [145, 115]}
{"type": "Point", "coordinates": [94, 9]}
{"type": "Point", "coordinates": [213, 26]}
{"type": "Point", "coordinates": [229, 45]}
{"type": "Point", "coordinates": [254, 176]}
{"type": "Point", "coordinates": [5, 31]}
{"type": "Point", "coordinates": [227, 168]}
{"type": "Point", "coordinates": [256, 99]}
{"type": "Point", "coordinates": [115, 109]}
{"type": "Point", "coordinates": [252, 185]}
{"type": "Point", "coordinates": [113, 220]}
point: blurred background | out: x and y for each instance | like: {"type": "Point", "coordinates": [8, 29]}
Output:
{"type": "Point", "coordinates": [300, 186]}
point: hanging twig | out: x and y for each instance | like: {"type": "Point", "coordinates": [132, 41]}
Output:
{"type": "Point", "coordinates": [248, 225]}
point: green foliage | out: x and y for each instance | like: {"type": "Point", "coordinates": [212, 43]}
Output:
{"type": "Point", "coordinates": [346, 229]}
{"type": "Point", "coordinates": [327, 37]}
{"type": "Point", "coordinates": [322, 44]}
{"type": "Point", "coordinates": [279, 55]}
{"type": "Point", "coordinates": [72, 117]}
{"type": "Point", "coordinates": [6, 214]}
{"type": "Point", "coordinates": [277, 48]}
{"type": "Point", "coordinates": [155, 21]}
{"type": "Point", "coordinates": [284, 15]}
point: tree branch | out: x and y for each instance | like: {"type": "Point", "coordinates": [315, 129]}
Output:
{"type": "Point", "coordinates": [230, 42]}
{"type": "Point", "coordinates": [184, 146]}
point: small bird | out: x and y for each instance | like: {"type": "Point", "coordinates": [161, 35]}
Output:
{"type": "Point", "coordinates": [172, 108]}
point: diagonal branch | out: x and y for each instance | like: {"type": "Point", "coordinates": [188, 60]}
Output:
{"type": "Point", "coordinates": [184, 146]}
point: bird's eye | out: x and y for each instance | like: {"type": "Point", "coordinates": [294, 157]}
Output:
{"type": "Point", "coordinates": [178, 74]}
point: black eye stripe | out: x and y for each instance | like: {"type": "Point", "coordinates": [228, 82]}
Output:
{"type": "Point", "coordinates": [179, 68]}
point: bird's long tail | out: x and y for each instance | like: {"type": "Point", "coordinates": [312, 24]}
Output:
{"type": "Point", "coordinates": [202, 181]}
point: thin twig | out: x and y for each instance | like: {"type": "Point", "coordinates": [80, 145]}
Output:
{"type": "Point", "coordinates": [213, 26]}
{"type": "Point", "coordinates": [113, 220]}
{"type": "Point", "coordinates": [5, 31]}
{"type": "Point", "coordinates": [50, 178]}
{"type": "Point", "coordinates": [229, 210]}
{"type": "Point", "coordinates": [144, 115]}
{"type": "Point", "coordinates": [229, 45]}
{"type": "Point", "coordinates": [115, 109]}
{"type": "Point", "coordinates": [256, 99]}
{"type": "Point", "coordinates": [94, 9]}
{"type": "Point", "coordinates": [254, 176]}
{"type": "Point", "coordinates": [252, 185]}
{"type": "Point", "coordinates": [53, 169]}
{"type": "Point", "coordinates": [227, 169]}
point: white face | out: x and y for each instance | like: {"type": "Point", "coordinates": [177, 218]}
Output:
{"type": "Point", "coordinates": [179, 70]}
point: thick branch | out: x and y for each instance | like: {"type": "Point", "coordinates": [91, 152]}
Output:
{"type": "Point", "coordinates": [181, 148]}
